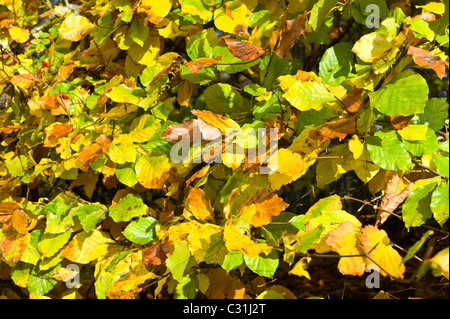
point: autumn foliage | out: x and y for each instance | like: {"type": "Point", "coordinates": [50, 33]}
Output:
{"type": "Point", "coordinates": [95, 95]}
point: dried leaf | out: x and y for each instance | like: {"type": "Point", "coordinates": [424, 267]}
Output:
{"type": "Point", "coordinates": [397, 189]}
{"type": "Point", "coordinates": [242, 50]}
{"type": "Point", "coordinates": [294, 29]}
{"type": "Point", "coordinates": [339, 128]}
{"type": "Point", "coordinates": [426, 58]}
{"type": "Point", "coordinates": [223, 286]}
{"type": "Point", "coordinates": [197, 65]}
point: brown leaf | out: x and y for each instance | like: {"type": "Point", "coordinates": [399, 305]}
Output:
{"type": "Point", "coordinates": [426, 58]}
{"type": "Point", "coordinates": [294, 29]}
{"type": "Point", "coordinates": [354, 101]}
{"type": "Point", "coordinates": [156, 254]}
{"type": "Point", "coordinates": [6, 210]}
{"type": "Point", "coordinates": [335, 128]}
{"type": "Point", "coordinates": [92, 152]}
{"type": "Point", "coordinates": [267, 204]}
{"type": "Point", "coordinates": [242, 50]}
{"type": "Point", "coordinates": [397, 189]}
{"type": "Point", "coordinates": [223, 286]}
{"type": "Point", "coordinates": [399, 122]}
{"type": "Point", "coordinates": [185, 92]}
{"type": "Point", "coordinates": [197, 65]}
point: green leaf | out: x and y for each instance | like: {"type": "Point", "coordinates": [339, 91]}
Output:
{"type": "Point", "coordinates": [138, 31]}
{"type": "Point", "coordinates": [441, 163]}
{"type": "Point", "coordinates": [434, 114]}
{"type": "Point", "coordinates": [201, 44]}
{"type": "Point", "coordinates": [17, 165]}
{"type": "Point", "coordinates": [416, 209]}
{"type": "Point", "coordinates": [439, 203]}
{"type": "Point", "coordinates": [417, 245]}
{"type": "Point", "coordinates": [103, 29]}
{"type": "Point", "coordinates": [124, 94]}
{"type": "Point", "coordinates": [337, 63]}
{"type": "Point", "coordinates": [298, 222]}
{"type": "Point", "coordinates": [103, 283]}
{"type": "Point", "coordinates": [232, 260]}
{"type": "Point", "coordinates": [180, 261]}
{"type": "Point", "coordinates": [387, 151]}
{"type": "Point", "coordinates": [128, 207]}
{"type": "Point", "coordinates": [263, 265]}
{"type": "Point", "coordinates": [406, 94]}
{"type": "Point", "coordinates": [271, 67]}
{"type": "Point", "coordinates": [421, 29]}
{"type": "Point", "coordinates": [187, 288]}
{"type": "Point", "coordinates": [309, 238]}
{"type": "Point", "coordinates": [38, 285]}
{"type": "Point", "coordinates": [320, 11]}
{"type": "Point", "coordinates": [90, 215]}
{"type": "Point", "coordinates": [422, 147]}
{"type": "Point", "coordinates": [49, 244]}
{"type": "Point", "coordinates": [125, 174]}
{"type": "Point", "coordinates": [223, 98]}
{"type": "Point", "coordinates": [59, 215]}
{"type": "Point", "coordinates": [142, 231]}
{"type": "Point", "coordinates": [309, 95]}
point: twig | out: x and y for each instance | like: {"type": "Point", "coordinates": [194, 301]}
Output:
{"type": "Point", "coordinates": [431, 170]}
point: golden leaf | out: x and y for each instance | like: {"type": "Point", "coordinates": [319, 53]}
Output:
{"type": "Point", "coordinates": [234, 240]}
{"type": "Point", "coordinates": [75, 27]}
{"type": "Point", "coordinates": [198, 205]}
{"type": "Point", "coordinates": [84, 247]}
{"type": "Point", "coordinates": [18, 34]}
{"type": "Point", "coordinates": [383, 254]}
{"type": "Point", "coordinates": [344, 240]}
{"type": "Point", "coordinates": [13, 245]}
{"type": "Point", "coordinates": [152, 170]}
{"type": "Point", "coordinates": [218, 121]}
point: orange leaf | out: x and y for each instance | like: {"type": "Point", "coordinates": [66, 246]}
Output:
{"type": "Point", "coordinates": [397, 189]}
{"type": "Point", "coordinates": [13, 245]}
{"type": "Point", "coordinates": [242, 50]}
{"type": "Point", "coordinates": [92, 152]}
{"type": "Point", "coordinates": [335, 128]}
{"type": "Point", "coordinates": [216, 120]}
{"type": "Point", "coordinates": [197, 65]}
{"type": "Point", "coordinates": [185, 92]}
{"type": "Point", "coordinates": [354, 101]}
{"type": "Point", "coordinates": [198, 205]}
{"type": "Point", "coordinates": [345, 241]}
{"type": "Point", "coordinates": [294, 29]}
{"type": "Point", "coordinates": [54, 103]}
{"type": "Point", "coordinates": [267, 204]}
{"type": "Point", "coordinates": [156, 254]}
{"type": "Point", "coordinates": [426, 58]}
{"type": "Point", "coordinates": [383, 254]}
{"type": "Point", "coordinates": [6, 210]}
{"type": "Point", "coordinates": [24, 81]}
{"type": "Point", "coordinates": [399, 122]}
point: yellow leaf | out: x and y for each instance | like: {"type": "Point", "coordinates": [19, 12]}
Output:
{"type": "Point", "coordinates": [84, 247]}
{"type": "Point", "coordinates": [355, 146]}
{"type": "Point", "coordinates": [122, 150]}
{"type": "Point", "coordinates": [218, 121]}
{"type": "Point", "coordinates": [18, 34]}
{"type": "Point", "coordinates": [384, 255]}
{"type": "Point", "coordinates": [372, 46]}
{"type": "Point", "coordinates": [148, 52]}
{"type": "Point", "coordinates": [156, 11]}
{"type": "Point", "coordinates": [414, 132]}
{"type": "Point", "coordinates": [344, 240]}
{"type": "Point", "coordinates": [237, 21]}
{"type": "Point", "coordinates": [441, 260]}
{"type": "Point", "coordinates": [152, 170]}
{"type": "Point", "coordinates": [434, 7]}
{"type": "Point", "coordinates": [75, 27]}
{"type": "Point", "coordinates": [287, 167]}
{"type": "Point", "coordinates": [299, 268]}
{"type": "Point", "coordinates": [234, 240]}
{"type": "Point", "coordinates": [198, 205]}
